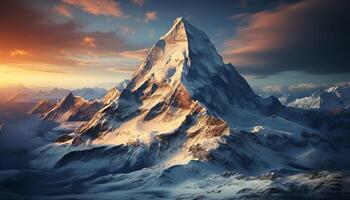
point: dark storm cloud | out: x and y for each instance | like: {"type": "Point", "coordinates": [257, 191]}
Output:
{"type": "Point", "coordinates": [311, 36]}
{"type": "Point", "coordinates": [31, 35]}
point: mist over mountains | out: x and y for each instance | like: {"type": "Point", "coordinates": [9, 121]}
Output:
{"type": "Point", "coordinates": [24, 94]}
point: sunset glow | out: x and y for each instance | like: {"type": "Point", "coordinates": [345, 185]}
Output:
{"type": "Point", "coordinates": [77, 43]}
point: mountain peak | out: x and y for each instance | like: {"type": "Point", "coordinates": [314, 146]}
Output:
{"type": "Point", "coordinates": [70, 96]}
{"type": "Point", "coordinates": [68, 100]}
{"type": "Point", "coordinates": [182, 30]}
{"type": "Point", "coordinates": [178, 31]}
{"type": "Point", "coordinates": [186, 58]}
{"type": "Point", "coordinates": [179, 20]}
{"type": "Point", "coordinates": [173, 55]}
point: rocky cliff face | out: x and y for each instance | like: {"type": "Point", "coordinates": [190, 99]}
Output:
{"type": "Point", "coordinates": [42, 107]}
{"type": "Point", "coordinates": [70, 108]}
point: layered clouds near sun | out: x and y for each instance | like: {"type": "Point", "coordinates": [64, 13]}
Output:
{"type": "Point", "coordinates": [32, 40]}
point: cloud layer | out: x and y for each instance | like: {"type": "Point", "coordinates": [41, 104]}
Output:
{"type": "Point", "coordinates": [309, 36]}
{"type": "Point", "coordinates": [151, 16]}
{"type": "Point", "coordinates": [33, 37]}
{"type": "Point", "coordinates": [100, 7]}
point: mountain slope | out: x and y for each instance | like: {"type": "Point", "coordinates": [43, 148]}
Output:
{"type": "Point", "coordinates": [110, 96]}
{"type": "Point", "coordinates": [42, 107]}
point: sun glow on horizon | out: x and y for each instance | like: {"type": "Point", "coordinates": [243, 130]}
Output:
{"type": "Point", "coordinates": [37, 77]}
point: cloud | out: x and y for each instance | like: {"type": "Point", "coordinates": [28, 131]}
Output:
{"type": "Point", "coordinates": [33, 37]}
{"type": "Point", "coordinates": [63, 10]}
{"type": "Point", "coordinates": [138, 2]}
{"type": "Point", "coordinates": [19, 52]}
{"type": "Point", "coordinates": [151, 16]}
{"type": "Point", "coordinates": [305, 86]}
{"type": "Point", "coordinates": [88, 41]}
{"type": "Point", "coordinates": [45, 70]}
{"type": "Point", "coordinates": [19, 134]}
{"type": "Point", "coordinates": [126, 30]}
{"type": "Point", "coordinates": [128, 70]}
{"type": "Point", "coordinates": [273, 89]}
{"type": "Point", "coordinates": [100, 7]}
{"type": "Point", "coordinates": [136, 55]}
{"type": "Point", "coordinates": [307, 36]}
{"type": "Point", "coordinates": [254, 77]}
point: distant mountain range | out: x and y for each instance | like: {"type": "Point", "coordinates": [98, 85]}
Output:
{"type": "Point", "coordinates": [73, 108]}
{"type": "Point", "coordinates": [24, 94]}
{"type": "Point", "coordinates": [336, 97]}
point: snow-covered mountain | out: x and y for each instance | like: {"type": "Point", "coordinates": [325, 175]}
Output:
{"type": "Point", "coordinates": [182, 89]}
{"type": "Point", "coordinates": [337, 97]}
{"type": "Point", "coordinates": [183, 103]}
{"type": "Point", "coordinates": [188, 124]}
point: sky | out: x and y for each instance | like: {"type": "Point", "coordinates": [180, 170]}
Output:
{"type": "Point", "coordinates": [86, 43]}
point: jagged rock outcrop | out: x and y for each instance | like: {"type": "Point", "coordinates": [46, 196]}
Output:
{"type": "Point", "coordinates": [42, 107]}
{"type": "Point", "coordinates": [73, 108]}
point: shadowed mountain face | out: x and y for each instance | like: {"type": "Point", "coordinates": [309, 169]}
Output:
{"type": "Point", "coordinates": [186, 126]}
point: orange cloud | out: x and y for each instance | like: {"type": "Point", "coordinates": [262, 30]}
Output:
{"type": "Point", "coordinates": [136, 55]}
{"type": "Point", "coordinates": [151, 16]}
{"type": "Point", "coordinates": [138, 2]}
{"type": "Point", "coordinates": [127, 70]}
{"type": "Point", "coordinates": [19, 52]}
{"type": "Point", "coordinates": [45, 70]}
{"type": "Point", "coordinates": [63, 10]}
{"type": "Point", "coordinates": [100, 7]}
{"type": "Point", "coordinates": [88, 41]}
{"type": "Point", "coordinates": [51, 43]}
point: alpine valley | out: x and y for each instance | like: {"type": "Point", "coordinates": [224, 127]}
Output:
{"type": "Point", "coordinates": [186, 126]}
